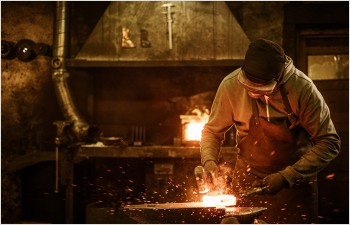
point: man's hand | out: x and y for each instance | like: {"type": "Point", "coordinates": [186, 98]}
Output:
{"type": "Point", "coordinates": [211, 167]}
{"type": "Point", "coordinates": [273, 182]}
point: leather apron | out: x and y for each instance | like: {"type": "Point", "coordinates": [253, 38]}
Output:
{"type": "Point", "coordinates": [269, 147]}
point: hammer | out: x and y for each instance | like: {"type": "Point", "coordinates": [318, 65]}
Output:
{"type": "Point", "coordinates": [203, 179]}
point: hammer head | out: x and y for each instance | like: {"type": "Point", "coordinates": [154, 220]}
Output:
{"type": "Point", "coordinates": [203, 179]}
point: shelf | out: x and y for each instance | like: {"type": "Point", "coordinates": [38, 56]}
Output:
{"type": "Point", "coordinates": [147, 152]}
{"type": "Point", "coordinates": [201, 63]}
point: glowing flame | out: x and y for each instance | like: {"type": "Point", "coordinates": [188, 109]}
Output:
{"type": "Point", "coordinates": [219, 200]}
{"type": "Point", "coordinates": [194, 124]}
{"type": "Point", "coordinates": [193, 131]}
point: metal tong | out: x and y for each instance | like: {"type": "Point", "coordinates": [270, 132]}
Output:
{"type": "Point", "coordinates": [253, 191]}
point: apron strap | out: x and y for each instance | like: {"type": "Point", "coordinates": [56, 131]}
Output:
{"type": "Point", "coordinates": [255, 111]}
{"type": "Point", "coordinates": [291, 115]}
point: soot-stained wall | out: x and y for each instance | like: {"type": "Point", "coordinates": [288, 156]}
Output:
{"type": "Point", "coordinates": [28, 102]}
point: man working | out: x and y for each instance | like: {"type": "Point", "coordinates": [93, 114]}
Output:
{"type": "Point", "coordinates": [284, 133]}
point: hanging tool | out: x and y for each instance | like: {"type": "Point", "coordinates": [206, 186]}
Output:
{"type": "Point", "coordinates": [170, 20]}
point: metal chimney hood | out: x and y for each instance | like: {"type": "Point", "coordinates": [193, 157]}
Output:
{"type": "Point", "coordinates": [159, 33]}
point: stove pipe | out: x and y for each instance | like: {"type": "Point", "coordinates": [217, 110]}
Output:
{"type": "Point", "coordinates": [83, 132]}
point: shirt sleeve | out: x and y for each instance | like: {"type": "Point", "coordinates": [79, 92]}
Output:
{"type": "Point", "coordinates": [220, 120]}
{"type": "Point", "coordinates": [315, 117]}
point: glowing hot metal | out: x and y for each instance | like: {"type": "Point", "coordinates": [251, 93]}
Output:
{"type": "Point", "coordinates": [219, 200]}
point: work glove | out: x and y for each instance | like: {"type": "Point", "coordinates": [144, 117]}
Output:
{"type": "Point", "coordinates": [211, 167]}
{"type": "Point", "coordinates": [215, 180]}
{"type": "Point", "coordinates": [274, 183]}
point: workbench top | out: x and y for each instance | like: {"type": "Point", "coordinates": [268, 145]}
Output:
{"type": "Point", "coordinates": [98, 150]}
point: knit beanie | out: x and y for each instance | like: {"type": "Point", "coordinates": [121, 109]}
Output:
{"type": "Point", "coordinates": [264, 61]}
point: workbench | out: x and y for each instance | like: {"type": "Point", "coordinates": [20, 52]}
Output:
{"type": "Point", "coordinates": [166, 160]}
{"type": "Point", "coordinates": [99, 150]}
{"type": "Point", "coordinates": [166, 167]}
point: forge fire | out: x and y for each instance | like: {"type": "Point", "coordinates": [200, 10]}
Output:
{"type": "Point", "coordinates": [192, 125]}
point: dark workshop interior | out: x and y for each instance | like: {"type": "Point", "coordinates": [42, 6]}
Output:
{"type": "Point", "coordinates": [129, 74]}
